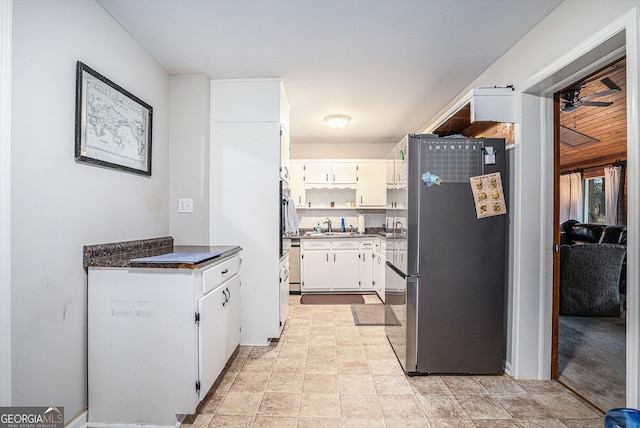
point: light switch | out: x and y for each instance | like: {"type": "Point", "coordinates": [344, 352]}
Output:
{"type": "Point", "coordinates": [185, 205]}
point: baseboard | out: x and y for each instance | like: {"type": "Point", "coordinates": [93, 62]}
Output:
{"type": "Point", "coordinates": [507, 367]}
{"type": "Point", "coordinates": [79, 420]}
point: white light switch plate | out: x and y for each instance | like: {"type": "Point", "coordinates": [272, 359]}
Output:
{"type": "Point", "coordinates": [185, 205]}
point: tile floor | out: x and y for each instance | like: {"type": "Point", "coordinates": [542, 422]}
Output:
{"type": "Point", "coordinates": [326, 372]}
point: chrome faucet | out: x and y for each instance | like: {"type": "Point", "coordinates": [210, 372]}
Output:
{"type": "Point", "coordinates": [328, 223]}
{"type": "Point", "coordinates": [398, 222]}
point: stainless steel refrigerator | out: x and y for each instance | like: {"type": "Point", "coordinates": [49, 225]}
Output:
{"type": "Point", "coordinates": [446, 249]}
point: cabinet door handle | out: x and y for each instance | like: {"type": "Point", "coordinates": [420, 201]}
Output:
{"type": "Point", "coordinates": [226, 271]}
{"type": "Point", "coordinates": [334, 258]}
{"type": "Point", "coordinates": [327, 177]}
{"type": "Point", "coordinates": [226, 299]}
{"type": "Point", "coordinates": [327, 256]}
{"type": "Point", "coordinates": [360, 199]}
{"type": "Point", "coordinates": [334, 177]}
{"type": "Point", "coordinates": [229, 294]}
{"type": "Point", "coordinates": [299, 199]}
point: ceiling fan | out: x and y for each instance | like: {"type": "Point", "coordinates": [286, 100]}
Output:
{"type": "Point", "coordinates": [571, 99]}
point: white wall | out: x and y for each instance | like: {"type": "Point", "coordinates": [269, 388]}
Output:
{"type": "Point", "coordinates": [189, 153]}
{"type": "Point", "coordinates": [530, 236]}
{"type": "Point", "coordinates": [58, 205]}
{"type": "Point", "coordinates": [342, 150]}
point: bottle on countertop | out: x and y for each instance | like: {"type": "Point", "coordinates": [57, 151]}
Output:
{"type": "Point", "coordinates": [342, 227]}
{"type": "Point", "coordinates": [318, 228]}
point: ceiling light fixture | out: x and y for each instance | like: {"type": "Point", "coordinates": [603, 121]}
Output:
{"type": "Point", "coordinates": [337, 120]}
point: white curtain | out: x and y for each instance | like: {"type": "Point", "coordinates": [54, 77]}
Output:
{"type": "Point", "coordinates": [611, 190]}
{"type": "Point", "coordinates": [571, 199]}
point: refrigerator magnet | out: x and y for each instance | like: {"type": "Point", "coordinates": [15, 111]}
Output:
{"type": "Point", "coordinates": [431, 179]}
{"type": "Point", "coordinates": [488, 195]}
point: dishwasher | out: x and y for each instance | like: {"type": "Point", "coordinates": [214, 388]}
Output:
{"type": "Point", "coordinates": [294, 267]}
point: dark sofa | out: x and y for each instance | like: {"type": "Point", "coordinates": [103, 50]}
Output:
{"type": "Point", "coordinates": [592, 268]}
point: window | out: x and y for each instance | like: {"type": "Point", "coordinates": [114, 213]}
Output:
{"type": "Point", "coordinates": [594, 206]}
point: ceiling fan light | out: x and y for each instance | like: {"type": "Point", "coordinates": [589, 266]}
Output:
{"type": "Point", "coordinates": [569, 107]}
{"type": "Point", "coordinates": [337, 120]}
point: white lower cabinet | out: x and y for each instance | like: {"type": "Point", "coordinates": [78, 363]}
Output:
{"type": "Point", "coordinates": [378, 267]}
{"type": "Point", "coordinates": [336, 265]}
{"type": "Point", "coordinates": [158, 339]}
{"type": "Point", "coordinates": [365, 268]}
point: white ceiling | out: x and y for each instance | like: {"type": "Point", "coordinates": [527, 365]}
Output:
{"type": "Point", "coordinates": [389, 64]}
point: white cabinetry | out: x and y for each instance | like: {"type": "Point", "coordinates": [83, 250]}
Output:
{"type": "Point", "coordinates": [330, 173]}
{"type": "Point", "coordinates": [247, 116]}
{"type": "Point", "coordinates": [371, 191]}
{"type": "Point", "coordinates": [365, 269]}
{"type": "Point", "coordinates": [345, 275]}
{"type": "Point", "coordinates": [296, 183]}
{"type": "Point", "coordinates": [284, 288]}
{"type": "Point", "coordinates": [378, 266]}
{"type": "Point", "coordinates": [285, 149]}
{"type": "Point", "coordinates": [342, 264]}
{"type": "Point", "coordinates": [158, 339]}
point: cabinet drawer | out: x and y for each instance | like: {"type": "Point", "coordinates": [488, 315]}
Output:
{"type": "Point", "coordinates": [216, 275]}
{"type": "Point", "coordinates": [345, 244]}
{"type": "Point", "coordinates": [316, 244]}
{"type": "Point", "coordinates": [366, 245]}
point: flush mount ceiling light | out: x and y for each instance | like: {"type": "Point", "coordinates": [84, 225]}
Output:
{"type": "Point", "coordinates": [337, 120]}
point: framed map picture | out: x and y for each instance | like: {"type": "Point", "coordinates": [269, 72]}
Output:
{"type": "Point", "coordinates": [113, 126]}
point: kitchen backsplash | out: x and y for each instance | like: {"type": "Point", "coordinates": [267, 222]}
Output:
{"type": "Point", "coordinates": [310, 220]}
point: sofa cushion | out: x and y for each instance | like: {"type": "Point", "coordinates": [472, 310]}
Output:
{"type": "Point", "coordinates": [589, 279]}
{"type": "Point", "coordinates": [614, 234]}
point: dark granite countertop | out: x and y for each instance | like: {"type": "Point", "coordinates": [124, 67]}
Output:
{"type": "Point", "coordinates": [369, 233]}
{"type": "Point", "coordinates": [121, 254]}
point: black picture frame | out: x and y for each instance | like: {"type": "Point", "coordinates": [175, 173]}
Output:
{"type": "Point", "coordinates": [113, 126]}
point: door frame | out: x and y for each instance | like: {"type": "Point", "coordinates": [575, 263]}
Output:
{"type": "Point", "coordinates": [536, 135]}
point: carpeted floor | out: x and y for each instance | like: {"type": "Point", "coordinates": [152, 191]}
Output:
{"type": "Point", "coordinates": [591, 358]}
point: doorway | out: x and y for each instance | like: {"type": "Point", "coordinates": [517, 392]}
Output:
{"type": "Point", "coordinates": [590, 144]}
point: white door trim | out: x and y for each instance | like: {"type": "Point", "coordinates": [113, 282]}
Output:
{"type": "Point", "coordinates": [5, 201]}
{"type": "Point", "coordinates": [535, 106]}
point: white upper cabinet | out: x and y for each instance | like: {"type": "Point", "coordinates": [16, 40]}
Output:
{"type": "Point", "coordinates": [296, 183]}
{"type": "Point", "coordinates": [331, 173]}
{"type": "Point", "coordinates": [372, 185]}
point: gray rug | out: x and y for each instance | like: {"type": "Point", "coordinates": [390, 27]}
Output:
{"type": "Point", "coordinates": [372, 315]}
{"type": "Point", "coordinates": [592, 358]}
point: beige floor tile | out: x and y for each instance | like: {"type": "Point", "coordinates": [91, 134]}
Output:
{"type": "Point", "coordinates": [356, 383]}
{"type": "Point", "coordinates": [282, 404]}
{"type": "Point", "coordinates": [429, 385]}
{"type": "Point", "coordinates": [320, 383]}
{"type": "Point", "coordinates": [522, 406]}
{"type": "Point", "coordinates": [500, 385]}
{"type": "Point", "coordinates": [274, 422]}
{"type": "Point", "coordinates": [348, 352]}
{"type": "Point", "coordinates": [240, 403]}
{"type": "Point", "coordinates": [262, 365]}
{"type": "Point", "coordinates": [407, 423]}
{"type": "Point", "coordinates": [320, 405]}
{"type": "Point", "coordinates": [484, 406]}
{"type": "Point", "coordinates": [289, 365]}
{"type": "Point", "coordinates": [362, 423]}
{"type": "Point", "coordinates": [322, 366]}
{"type": "Point", "coordinates": [394, 385]}
{"type": "Point", "coordinates": [464, 385]}
{"type": "Point", "coordinates": [285, 382]}
{"type": "Point", "coordinates": [326, 372]}
{"type": "Point", "coordinates": [441, 407]}
{"type": "Point", "coordinates": [250, 382]}
{"type": "Point", "coordinates": [230, 421]}
{"type": "Point", "coordinates": [360, 406]}
{"type": "Point", "coordinates": [495, 423]}
{"type": "Point", "coordinates": [319, 423]}
{"type": "Point", "coordinates": [451, 423]}
{"type": "Point", "coordinates": [353, 366]}
{"type": "Point", "coordinates": [388, 366]}
{"type": "Point", "coordinates": [545, 423]}
{"type": "Point", "coordinates": [400, 407]}
{"type": "Point", "coordinates": [565, 406]}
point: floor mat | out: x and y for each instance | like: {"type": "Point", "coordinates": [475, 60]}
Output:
{"type": "Point", "coordinates": [372, 315]}
{"type": "Point", "coordinates": [331, 299]}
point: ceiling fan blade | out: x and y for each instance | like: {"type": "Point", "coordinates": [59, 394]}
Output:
{"type": "Point", "coordinates": [600, 94]}
{"type": "Point", "coordinates": [596, 103]}
{"type": "Point", "coordinates": [611, 84]}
